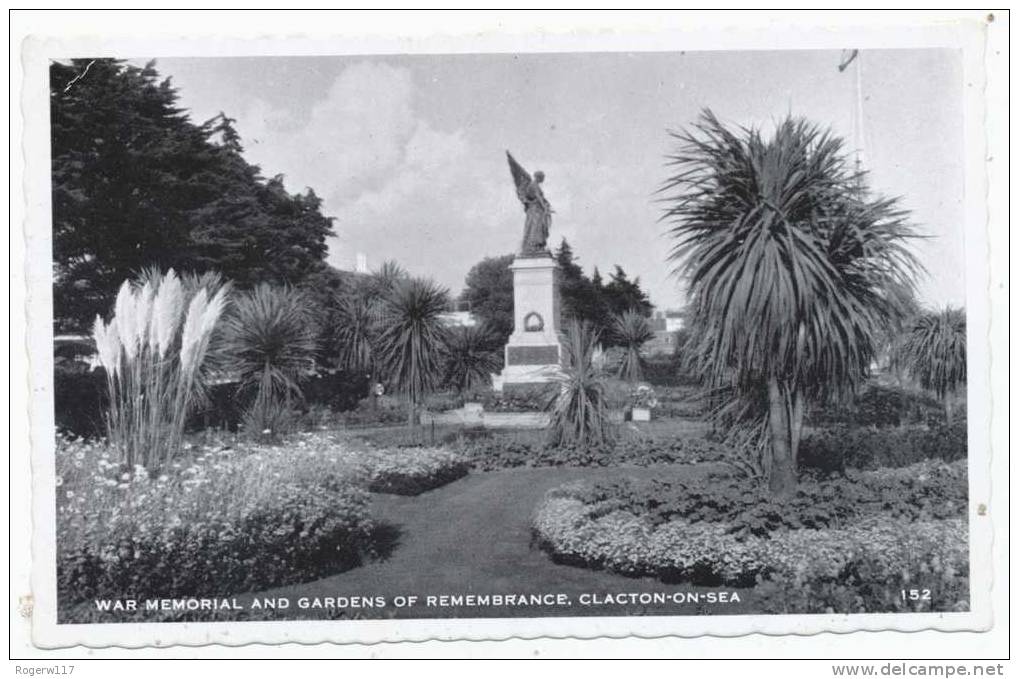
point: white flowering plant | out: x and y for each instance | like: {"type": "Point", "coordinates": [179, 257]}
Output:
{"type": "Point", "coordinates": [643, 396]}
{"type": "Point", "coordinates": [214, 521]}
{"type": "Point", "coordinates": [222, 518]}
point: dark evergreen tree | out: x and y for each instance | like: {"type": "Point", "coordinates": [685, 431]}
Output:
{"type": "Point", "coordinates": [489, 291]}
{"type": "Point", "coordinates": [621, 294]}
{"type": "Point", "coordinates": [136, 184]}
{"type": "Point", "coordinates": [579, 297]}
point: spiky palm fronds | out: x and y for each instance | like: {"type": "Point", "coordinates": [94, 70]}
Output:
{"type": "Point", "coordinates": [580, 414]}
{"type": "Point", "coordinates": [413, 338]}
{"type": "Point", "coordinates": [471, 358]}
{"type": "Point", "coordinates": [153, 351]}
{"type": "Point", "coordinates": [933, 351]}
{"type": "Point", "coordinates": [357, 328]}
{"type": "Point", "coordinates": [631, 330]}
{"type": "Point", "coordinates": [794, 271]}
{"type": "Point", "coordinates": [382, 280]}
{"type": "Point", "coordinates": [270, 342]}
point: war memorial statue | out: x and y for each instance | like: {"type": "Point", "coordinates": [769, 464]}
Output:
{"type": "Point", "coordinates": [537, 209]}
{"type": "Point", "coordinates": [533, 354]}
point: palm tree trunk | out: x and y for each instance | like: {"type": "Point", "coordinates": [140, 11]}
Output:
{"type": "Point", "coordinates": [783, 413]}
{"type": "Point", "coordinates": [948, 408]}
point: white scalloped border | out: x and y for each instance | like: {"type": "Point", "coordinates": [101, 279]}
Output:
{"type": "Point", "coordinates": [969, 37]}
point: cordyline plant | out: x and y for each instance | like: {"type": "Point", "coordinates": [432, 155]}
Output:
{"type": "Point", "coordinates": [360, 316]}
{"type": "Point", "coordinates": [270, 345]}
{"type": "Point", "coordinates": [933, 351]}
{"type": "Point", "coordinates": [152, 351]}
{"type": "Point", "coordinates": [580, 413]}
{"type": "Point", "coordinates": [413, 338]}
{"type": "Point", "coordinates": [794, 272]}
{"type": "Point", "coordinates": [631, 330]}
{"type": "Point", "coordinates": [470, 357]}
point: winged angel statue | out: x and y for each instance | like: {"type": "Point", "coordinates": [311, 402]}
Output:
{"type": "Point", "coordinates": [537, 209]}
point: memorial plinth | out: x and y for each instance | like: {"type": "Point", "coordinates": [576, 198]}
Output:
{"type": "Point", "coordinates": [533, 354]}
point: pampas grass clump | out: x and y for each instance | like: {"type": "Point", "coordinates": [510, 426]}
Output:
{"type": "Point", "coordinates": [153, 349]}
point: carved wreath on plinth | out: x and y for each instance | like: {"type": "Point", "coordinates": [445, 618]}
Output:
{"type": "Point", "coordinates": [533, 322]}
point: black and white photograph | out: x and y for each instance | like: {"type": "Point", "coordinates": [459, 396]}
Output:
{"type": "Point", "coordinates": [483, 335]}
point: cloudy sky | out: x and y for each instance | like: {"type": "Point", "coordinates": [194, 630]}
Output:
{"type": "Point", "coordinates": [408, 151]}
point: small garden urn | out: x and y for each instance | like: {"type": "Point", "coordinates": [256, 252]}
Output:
{"type": "Point", "coordinates": [643, 401]}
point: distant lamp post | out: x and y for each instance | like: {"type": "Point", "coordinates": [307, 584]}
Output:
{"type": "Point", "coordinates": [853, 57]}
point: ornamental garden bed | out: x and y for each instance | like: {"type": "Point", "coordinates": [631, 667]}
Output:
{"type": "Point", "coordinates": [648, 444]}
{"type": "Point", "coordinates": [412, 471]}
{"type": "Point", "coordinates": [844, 545]}
{"type": "Point", "coordinates": [227, 518]}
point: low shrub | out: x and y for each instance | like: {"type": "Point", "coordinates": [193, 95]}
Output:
{"type": "Point", "coordinates": [440, 402]}
{"type": "Point", "coordinates": [374, 411]}
{"type": "Point", "coordinates": [80, 398]}
{"type": "Point", "coordinates": [881, 406]}
{"type": "Point", "coordinates": [680, 402]}
{"type": "Point", "coordinates": [668, 371]}
{"type": "Point", "coordinates": [221, 521]}
{"type": "Point", "coordinates": [838, 448]}
{"type": "Point", "coordinates": [515, 399]}
{"type": "Point", "coordinates": [340, 390]}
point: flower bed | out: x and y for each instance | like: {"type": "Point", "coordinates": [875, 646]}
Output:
{"type": "Point", "coordinates": [226, 520]}
{"type": "Point", "coordinates": [220, 522]}
{"type": "Point", "coordinates": [870, 533]}
{"type": "Point", "coordinates": [411, 471]}
{"type": "Point", "coordinates": [502, 452]}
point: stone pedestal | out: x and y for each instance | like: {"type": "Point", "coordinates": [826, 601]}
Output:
{"type": "Point", "coordinates": [533, 354]}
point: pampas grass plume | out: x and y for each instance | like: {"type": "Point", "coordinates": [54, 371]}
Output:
{"type": "Point", "coordinates": [192, 332]}
{"type": "Point", "coordinates": [166, 313]}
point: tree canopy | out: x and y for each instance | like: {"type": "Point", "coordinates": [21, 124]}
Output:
{"type": "Point", "coordinates": [137, 184]}
{"type": "Point", "coordinates": [489, 290]}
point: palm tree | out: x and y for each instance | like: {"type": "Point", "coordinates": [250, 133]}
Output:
{"type": "Point", "coordinates": [580, 413]}
{"type": "Point", "coordinates": [632, 331]}
{"type": "Point", "coordinates": [471, 357]}
{"type": "Point", "coordinates": [270, 343]}
{"type": "Point", "coordinates": [356, 332]}
{"type": "Point", "coordinates": [890, 343]}
{"type": "Point", "coordinates": [934, 352]}
{"type": "Point", "coordinates": [359, 316]}
{"type": "Point", "coordinates": [791, 268]}
{"type": "Point", "coordinates": [382, 280]}
{"type": "Point", "coordinates": [413, 338]}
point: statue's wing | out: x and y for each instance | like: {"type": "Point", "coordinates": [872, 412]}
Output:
{"type": "Point", "coordinates": [521, 178]}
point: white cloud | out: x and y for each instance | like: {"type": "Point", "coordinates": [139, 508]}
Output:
{"type": "Point", "coordinates": [435, 200]}
{"type": "Point", "coordinates": [353, 138]}
{"type": "Point", "coordinates": [399, 187]}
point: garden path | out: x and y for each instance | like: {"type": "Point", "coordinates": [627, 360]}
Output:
{"type": "Point", "coordinates": [474, 536]}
